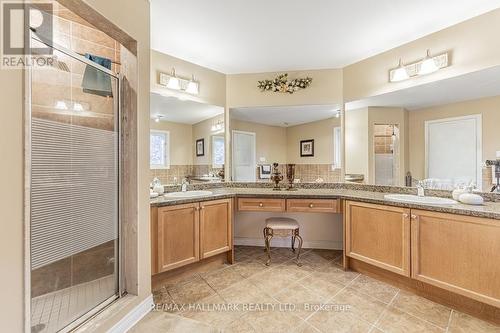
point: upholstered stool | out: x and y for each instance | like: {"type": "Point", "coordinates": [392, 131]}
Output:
{"type": "Point", "coordinates": [281, 227]}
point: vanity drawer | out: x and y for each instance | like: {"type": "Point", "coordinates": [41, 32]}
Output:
{"type": "Point", "coordinates": [261, 205]}
{"type": "Point", "coordinates": [312, 205]}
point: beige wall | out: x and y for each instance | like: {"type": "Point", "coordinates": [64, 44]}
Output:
{"type": "Point", "coordinates": [326, 88]}
{"type": "Point", "coordinates": [322, 133]}
{"type": "Point", "coordinates": [202, 130]}
{"type": "Point", "coordinates": [489, 108]}
{"type": "Point", "coordinates": [212, 83]}
{"type": "Point", "coordinates": [356, 142]}
{"type": "Point", "coordinates": [181, 144]}
{"type": "Point", "coordinates": [270, 140]}
{"type": "Point", "coordinates": [474, 45]}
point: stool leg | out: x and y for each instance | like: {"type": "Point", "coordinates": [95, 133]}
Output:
{"type": "Point", "coordinates": [265, 238]}
{"type": "Point", "coordinates": [300, 246]}
{"type": "Point", "coordinates": [268, 247]}
{"type": "Point", "coordinates": [293, 243]}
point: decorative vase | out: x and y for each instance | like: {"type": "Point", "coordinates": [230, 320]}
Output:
{"type": "Point", "coordinates": [290, 175]}
{"type": "Point", "coordinates": [276, 177]}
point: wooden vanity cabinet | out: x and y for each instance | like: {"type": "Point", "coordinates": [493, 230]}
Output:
{"type": "Point", "coordinates": [457, 253]}
{"type": "Point", "coordinates": [177, 236]}
{"type": "Point", "coordinates": [215, 227]}
{"type": "Point", "coordinates": [184, 234]}
{"type": "Point", "coordinates": [378, 235]}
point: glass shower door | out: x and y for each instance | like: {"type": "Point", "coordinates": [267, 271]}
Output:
{"type": "Point", "coordinates": [74, 201]}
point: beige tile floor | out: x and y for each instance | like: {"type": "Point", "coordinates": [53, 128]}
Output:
{"type": "Point", "coordinates": [317, 297]}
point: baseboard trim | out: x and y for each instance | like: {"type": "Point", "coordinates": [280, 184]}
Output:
{"type": "Point", "coordinates": [285, 242]}
{"type": "Point", "coordinates": [137, 313]}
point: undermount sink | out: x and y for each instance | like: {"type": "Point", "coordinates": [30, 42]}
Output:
{"type": "Point", "coordinates": [409, 198]}
{"type": "Point", "coordinates": [187, 194]}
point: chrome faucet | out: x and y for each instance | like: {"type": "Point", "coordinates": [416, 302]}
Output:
{"type": "Point", "coordinates": [184, 185]}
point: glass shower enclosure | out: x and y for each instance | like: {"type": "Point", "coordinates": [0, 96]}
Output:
{"type": "Point", "coordinates": [73, 164]}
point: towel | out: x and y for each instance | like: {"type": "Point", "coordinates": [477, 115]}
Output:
{"type": "Point", "coordinates": [96, 81]}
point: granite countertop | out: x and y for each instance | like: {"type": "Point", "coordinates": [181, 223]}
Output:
{"type": "Point", "coordinates": [487, 210]}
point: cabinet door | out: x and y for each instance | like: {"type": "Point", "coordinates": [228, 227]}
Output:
{"type": "Point", "coordinates": [457, 253]}
{"type": "Point", "coordinates": [178, 236]}
{"type": "Point", "coordinates": [378, 235]}
{"type": "Point", "coordinates": [215, 227]}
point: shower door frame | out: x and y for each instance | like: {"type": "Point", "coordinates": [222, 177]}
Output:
{"type": "Point", "coordinates": [27, 188]}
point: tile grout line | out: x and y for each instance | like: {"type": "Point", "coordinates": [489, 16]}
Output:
{"type": "Point", "coordinates": [374, 325]}
{"type": "Point", "coordinates": [449, 321]}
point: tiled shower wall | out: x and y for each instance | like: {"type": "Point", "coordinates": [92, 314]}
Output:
{"type": "Point", "coordinates": [176, 173]}
{"type": "Point", "coordinates": [309, 173]}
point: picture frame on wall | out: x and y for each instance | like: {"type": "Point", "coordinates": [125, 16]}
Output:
{"type": "Point", "coordinates": [307, 148]}
{"type": "Point", "coordinates": [200, 147]}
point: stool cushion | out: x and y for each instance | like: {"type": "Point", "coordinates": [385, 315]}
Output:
{"type": "Point", "coordinates": [281, 223]}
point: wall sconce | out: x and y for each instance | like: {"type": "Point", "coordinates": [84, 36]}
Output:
{"type": "Point", "coordinates": [428, 65]}
{"type": "Point", "coordinates": [218, 126]}
{"type": "Point", "coordinates": [158, 118]}
{"type": "Point", "coordinates": [174, 82]}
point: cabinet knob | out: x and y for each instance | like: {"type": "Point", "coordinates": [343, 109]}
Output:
{"type": "Point", "coordinates": [196, 208]}
{"type": "Point", "coordinates": [405, 215]}
{"type": "Point", "coordinates": [414, 217]}
{"type": "Point", "coordinates": [311, 205]}
{"type": "Point", "coordinates": [261, 204]}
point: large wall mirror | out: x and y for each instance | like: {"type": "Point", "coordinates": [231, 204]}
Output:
{"type": "Point", "coordinates": [308, 137]}
{"type": "Point", "coordinates": [441, 133]}
{"type": "Point", "coordinates": [187, 141]}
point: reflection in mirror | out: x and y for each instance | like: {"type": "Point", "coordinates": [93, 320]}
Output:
{"type": "Point", "coordinates": [442, 135]}
{"type": "Point", "coordinates": [307, 136]}
{"type": "Point", "coordinates": [187, 141]}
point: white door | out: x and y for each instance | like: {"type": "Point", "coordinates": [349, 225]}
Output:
{"type": "Point", "coordinates": [453, 150]}
{"type": "Point", "coordinates": [244, 165]}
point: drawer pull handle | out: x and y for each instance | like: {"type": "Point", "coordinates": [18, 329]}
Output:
{"type": "Point", "coordinates": [261, 204]}
{"type": "Point", "coordinates": [311, 205]}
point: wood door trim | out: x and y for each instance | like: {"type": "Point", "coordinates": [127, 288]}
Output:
{"type": "Point", "coordinates": [406, 246]}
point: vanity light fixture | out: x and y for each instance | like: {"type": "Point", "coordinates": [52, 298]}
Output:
{"type": "Point", "coordinates": [172, 81]}
{"type": "Point", "coordinates": [428, 65]}
{"type": "Point", "coordinates": [218, 126]}
{"type": "Point", "coordinates": [400, 73]}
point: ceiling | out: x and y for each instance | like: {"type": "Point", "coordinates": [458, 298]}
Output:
{"type": "Point", "coordinates": [485, 83]}
{"type": "Point", "coordinates": [240, 36]}
{"type": "Point", "coordinates": [181, 111]}
{"type": "Point", "coordinates": [285, 116]}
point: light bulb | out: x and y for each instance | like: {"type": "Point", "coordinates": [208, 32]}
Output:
{"type": "Point", "coordinates": [400, 73]}
{"type": "Point", "coordinates": [173, 81]}
{"type": "Point", "coordinates": [77, 106]}
{"type": "Point", "coordinates": [61, 105]}
{"type": "Point", "coordinates": [428, 65]}
{"type": "Point", "coordinates": [192, 88]}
